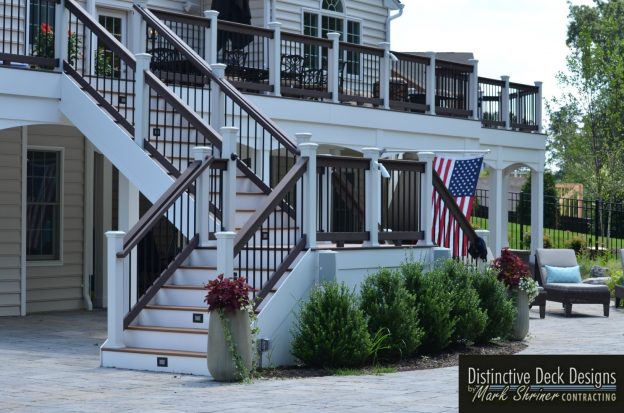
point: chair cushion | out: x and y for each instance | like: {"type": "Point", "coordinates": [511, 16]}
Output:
{"type": "Point", "coordinates": [554, 258]}
{"type": "Point", "coordinates": [563, 275]}
{"type": "Point", "coordinates": [578, 288]}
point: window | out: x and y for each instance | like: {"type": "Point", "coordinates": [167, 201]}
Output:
{"type": "Point", "coordinates": [43, 205]}
{"type": "Point", "coordinates": [106, 62]}
{"type": "Point", "coordinates": [41, 27]}
{"type": "Point", "coordinates": [333, 5]}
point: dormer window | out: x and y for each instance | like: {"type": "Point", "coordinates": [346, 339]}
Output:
{"type": "Point", "coordinates": [333, 5]}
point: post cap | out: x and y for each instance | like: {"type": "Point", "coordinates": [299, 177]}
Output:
{"type": "Point", "coordinates": [201, 152]}
{"type": "Point", "coordinates": [115, 234]}
{"type": "Point", "coordinates": [333, 35]}
{"type": "Point", "coordinates": [425, 155]}
{"type": "Point", "coordinates": [538, 83]}
{"type": "Point", "coordinates": [505, 78]}
{"type": "Point", "coordinates": [225, 235]}
{"type": "Point", "coordinates": [303, 137]}
{"type": "Point", "coordinates": [274, 25]}
{"type": "Point", "coordinates": [145, 57]}
{"type": "Point", "coordinates": [218, 69]}
{"type": "Point", "coordinates": [308, 149]}
{"type": "Point", "coordinates": [211, 13]}
{"type": "Point", "coordinates": [371, 152]}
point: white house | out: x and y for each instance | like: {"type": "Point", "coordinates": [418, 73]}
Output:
{"type": "Point", "coordinates": [98, 127]}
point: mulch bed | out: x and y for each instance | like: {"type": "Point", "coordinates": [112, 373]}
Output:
{"type": "Point", "coordinates": [448, 358]}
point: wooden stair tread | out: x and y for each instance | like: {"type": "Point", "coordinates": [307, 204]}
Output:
{"type": "Point", "coordinates": [176, 308]}
{"type": "Point", "coordinates": [158, 329]}
{"type": "Point", "coordinates": [157, 352]}
{"type": "Point", "coordinates": [183, 287]}
{"type": "Point", "coordinates": [213, 268]}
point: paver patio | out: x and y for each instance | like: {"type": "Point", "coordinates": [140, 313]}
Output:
{"type": "Point", "coordinates": [50, 363]}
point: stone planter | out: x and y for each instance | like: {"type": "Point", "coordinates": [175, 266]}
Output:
{"type": "Point", "coordinates": [221, 363]}
{"type": "Point", "coordinates": [521, 323]}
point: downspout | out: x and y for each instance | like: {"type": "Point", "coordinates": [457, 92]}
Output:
{"type": "Point", "coordinates": [392, 17]}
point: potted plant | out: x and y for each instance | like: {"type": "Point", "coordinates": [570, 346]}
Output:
{"type": "Point", "coordinates": [229, 329]}
{"type": "Point", "coordinates": [514, 273]}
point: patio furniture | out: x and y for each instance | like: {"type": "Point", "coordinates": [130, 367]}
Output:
{"type": "Point", "coordinates": [619, 294]}
{"type": "Point", "coordinates": [540, 301]}
{"type": "Point", "coordinates": [568, 293]}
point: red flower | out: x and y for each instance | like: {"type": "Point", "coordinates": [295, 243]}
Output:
{"type": "Point", "coordinates": [227, 294]}
{"type": "Point", "coordinates": [511, 268]}
{"type": "Point", "coordinates": [46, 28]}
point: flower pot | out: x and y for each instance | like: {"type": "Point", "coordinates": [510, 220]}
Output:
{"type": "Point", "coordinates": [521, 323]}
{"type": "Point", "coordinates": [221, 361]}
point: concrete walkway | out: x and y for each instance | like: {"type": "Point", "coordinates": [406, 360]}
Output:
{"type": "Point", "coordinates": [50, 363]}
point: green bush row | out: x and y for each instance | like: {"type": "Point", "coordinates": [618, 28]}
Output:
{"type": "Point", "coordinates": [401, 313]}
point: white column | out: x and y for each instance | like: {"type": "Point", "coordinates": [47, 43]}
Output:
{"type": "Point", "coordinates": [384, 78]}
{"type": "Point", "coordinates": [300, 138]}
{"type": "Point", "coordinates": [275, 66]}
{"type": "Point", "coordinates": [217, 102]}
{"type": "Point", "coordinates": [538, 107]}
{"type": "Point", "coordinates": [139, 28]}
{"type": "Point", "coordinates": [333, 65]}
{"type": "Point", "coordinates": [372, 205]}
{"type": "Point", "coordinates": [505, 103]}
{"type": "Point", "coordinates": [426, 195]}
{"type": "Point", "coordinates": [210, 37]}
{"type": "Point", "coordinates": [128, 216]}
{"type": "Point", "coordinates": [202, 197]}
{"type": "Point", "coordinates": [537, 211]}
{"type": "Point", "coordinates": [60, 33]}
{"type": "Point", "coordinates": [116, 297]}
{"type": "Point", "coordinates": [141, 99]}
{"type": "Point", "coordinates": [474, 89]}
{"type": "Point", "coordinates": [308, 150]}
{"type": "Point", "coordinates": [87, 252]}
{"type": "Point", "coordinates": [495, 210]}
{"type": "Point", "coordinates": [504, 211]}
{"type": "Point", "coordinates": [225, 253]}
{"type": "Point", "coordinates": [228, 151]}
{"type": "Point", "coordinates": [431, 83]}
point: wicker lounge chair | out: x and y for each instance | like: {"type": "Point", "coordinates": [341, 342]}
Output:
{"type": "Point", "coordinates": [568, 294]}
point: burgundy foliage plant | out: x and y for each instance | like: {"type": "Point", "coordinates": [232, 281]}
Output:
{"type": "Point", "coordinates": [227, 294]}
{"type": "Point", "coordinates": [511, 269]}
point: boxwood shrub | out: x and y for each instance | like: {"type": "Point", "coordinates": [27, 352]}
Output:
{"type": "Point", "coordinates": [496, 304]}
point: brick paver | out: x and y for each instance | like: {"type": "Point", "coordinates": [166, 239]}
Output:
{"type": "Point", "coordinates": [50, 363]}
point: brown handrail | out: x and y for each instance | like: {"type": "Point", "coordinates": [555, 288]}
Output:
{"type": "Point", "coordinates": [108, 39]}
{"type": "Point", "coordinates": [181, 17]}
{"type": "Point", "coordinates": [412, 58]}
{"type": "Point", "coordinates": [241, 28]}
{"type": "Point", "coordinates": [166, 200]}
{"type": "Point", "coordinates": [268, 206]}
{"type": "Point", "coordinates": [226, 87]}
{"type": "Point", "coordinates": [488, 81]}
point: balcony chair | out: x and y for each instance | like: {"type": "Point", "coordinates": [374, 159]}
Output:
{"type": "Point", "coordinates": [568, 293]}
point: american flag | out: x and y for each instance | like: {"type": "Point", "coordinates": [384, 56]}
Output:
{"type": "Point", "coordinates": [460, 176]}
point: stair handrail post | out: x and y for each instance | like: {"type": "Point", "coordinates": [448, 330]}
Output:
{"type": "Point", "coordinates": [538, 107]}
{"type": "Point", "coordinates": [225, 253]}
{"type": "Point", "coordinates": [202, 197]}
{"type": "Point", "coordinates": [426, 196]}
{"type": "Point", "coordinates": [141, 99]}
{"type": "Point", "coordinates": [473, 100]}
{"type": "Point", "coordinates": [228, 151]}
{"type": "Point", "coordinates": [385, 75]}
{"type": "Point", "coordinates": [115, 286]}
{"type": "Point", "coordinates": [61, 22]}
{"type": "Point", "coordinates": [333, 65]}
{"type": "Point", "coordinates": [484, 234]}
{"type": "Point", "coordinates": [431, 84]}
{"type": "Point", "coordinates": [139, 29]}
{"type": "Point", "coordinates": [217, 98]}
{"type": "Point", "coordinates": [210, 37]}
{"type": "Point", "coordinates": [275, 53]}
{"type": "Point", "coordinates": [309, 150]}
{"type": "Point", "coordinates": [372, 205]}
{"type": "Point", "coordinates": [505, 102]}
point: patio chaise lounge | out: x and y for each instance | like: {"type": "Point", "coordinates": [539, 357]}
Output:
{"type": "Point", "coordinates": [570, 292]}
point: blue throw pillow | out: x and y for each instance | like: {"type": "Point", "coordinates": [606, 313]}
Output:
{"type": "Point", "coordinates": [563, 275]}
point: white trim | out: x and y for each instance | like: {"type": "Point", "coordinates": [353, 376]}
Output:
{"type": "Point", "coordinates": [87, 251]}
{"type": "Point", "coordinates": [23, 289]}
{"type": "Point", "coordinates": [59, 262]}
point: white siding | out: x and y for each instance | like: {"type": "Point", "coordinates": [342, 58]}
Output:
{"type": "Point", "coordinates": [59, 287]}
{"type": "Point", "coordinates": [10, 221]}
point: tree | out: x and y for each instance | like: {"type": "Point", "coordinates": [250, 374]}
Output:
{"type": "Point", "coordinates": [551, 204]}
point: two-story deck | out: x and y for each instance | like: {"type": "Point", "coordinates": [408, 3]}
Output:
{"type": "Point", "coordinates": [98, 127]}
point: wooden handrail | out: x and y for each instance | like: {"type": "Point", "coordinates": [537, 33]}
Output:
{"type": "Point", "coordinates": [108, 39]}
{"type": "Point", "coordinates": [337, 161]}
{"type": "Point", "coordinates": [166, 200]}
{"type": "Point", "coordinates": [444, 64]}
{"type": "Point", "coordinates": [181, 17]}
{"type": "Point", "coordinates": [358, 48]}
{"type": "Point", "coordinates": [412, 58]}
{"type": "Point", "coordinates": [226, 87]}
{"type": "Point", "coordinates": [268, 206]}
{"type": "Point", "coordinates": [403, 165]}
{"type": "Point", "coordinates": [242, 28]}
{"type": "Point", "coordinates": [311, 40]}
{"type": "Point", "coordinates": [494, 82]}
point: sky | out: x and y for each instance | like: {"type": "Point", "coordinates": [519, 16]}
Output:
{"type": "Point", "coordinates": [524, 39]}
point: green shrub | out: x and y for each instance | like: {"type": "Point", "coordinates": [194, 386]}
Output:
{"type": "Point", "coordinates": [576, 243]}
{"type": "Point", "coordinates": [390, 307]}
{"type": "Point", "coordinates": [496, 304]}
{"type": "Point", "coordinates": [471, 319]}
{"type": "Point", "coordinates": [434, 300]}
{"type": "Point", "coordinates": [331, 330]}
{"type": "Point", "coordinates": [526, 241]}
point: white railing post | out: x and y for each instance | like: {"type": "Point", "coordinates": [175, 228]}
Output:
{"type": "Point", "coordinates": [60, 33]}
{"type": "Point", "coordinates": [116, 297]}
{"type": "Point", "coordinates": [275, 52]}
{"type": "Point", "coordinates": [372, 205]}
{"type": "Point", "coordinates": [139, 27]}
{"type": "Point", "coordinates": [308, 150]}
{"type": "Point", "coordinates": [484, 234]}
{"type": "Point", "coordinates": [225, 253]}
{"type": "Point", "coordinates": [505, 102]}
{"type": "Point", "coordinates": [431, 84]}
{"type": "Point", "coordinates": [217, 98]}
{"type": "Point", "coordinates": [228, 151]}
{"type": "Point", "coordinates": [333, 66]}
{"type": "Point", "coordinates": [210, 37]}
{"type": "Point", "coordinates": [141, 99]}
{"type": "Point", "coordinates": [426, 195]}
{"type": "Point", "coordinates": [202, 197]}
{"type": "Point", "coordinates": [538, 108]}
{"type": "Point", "coordinates": [473, 100]}
{"type": "Point", "coordinates": [384, 76]}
